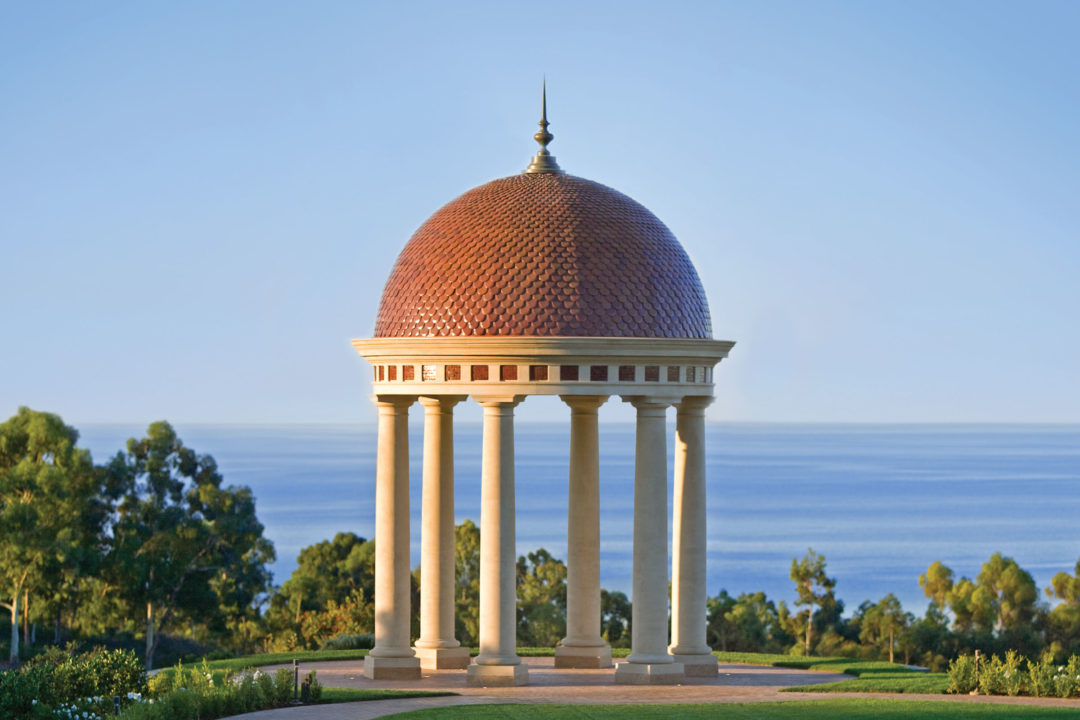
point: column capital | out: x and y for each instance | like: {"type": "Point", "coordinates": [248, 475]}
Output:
{"type": "Point", "coordinates": [658, 403]}
{"type": "Point", "coordinates": [586, 403]}
{"type": "Point", "coordinates": [395, 402]}
{"type": "Point", "coordinates": [694, 403]}
{"type": "Point", "coordinates": [501, 402]}
{"type": "Point", "coordinates": [441, 402]}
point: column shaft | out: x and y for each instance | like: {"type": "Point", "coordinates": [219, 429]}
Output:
{"type": "Point", "coordinates": [498, 662]}
{"type": "Point", "coordinates": [649, 661]}
{"type": "Point", "coordinates": [583, 645]}
{"type": "Point", "coordinates": [392, 658]}
{"type": "Point", "coordinates": [689, 542]}
{"type": "Point", "coordinates": [437, 648]}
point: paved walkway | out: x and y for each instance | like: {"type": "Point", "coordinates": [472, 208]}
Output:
{"type": "Point", "coordinates": [735, 683]}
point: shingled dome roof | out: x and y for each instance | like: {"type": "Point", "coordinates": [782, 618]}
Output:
{"type": "Point", "coordinates": [543, 254]}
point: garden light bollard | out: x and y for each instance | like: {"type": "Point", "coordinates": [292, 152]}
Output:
{"type": "Point", "coordinates": [296, 680]}
{"type": "Point", "coordinates": [976, 690]}
{"type": "Point", "coordinates": [116, 704]}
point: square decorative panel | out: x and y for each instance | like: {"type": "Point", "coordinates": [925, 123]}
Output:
{"type": "Point", "coordinates": [479, 372]}
{"type": "Point", "coordinates": [652, 373]}
{"type": "Point", "coordinates": [673, 373]}
{"type": "Point", "coordinates": [508, 372]}
{"type": "Point", "coordinates": [568, 372]}
{"type": "Point", "coordinates": [598, 373]}
{"type": "Point", "coordinates": [691, 374]}
{"type": "Point", "coordinates": [453, 372]}
{"type": "Point", "coordinates": [428, 372]}
{"type": "Point", "coordinates": [391, 372]}
{"type": "Point", "coordinates": [408, 373]}
{"type": "Point", "coordinates": [626, 373]}
{"type": "Point", "coordinates": [538, 372]}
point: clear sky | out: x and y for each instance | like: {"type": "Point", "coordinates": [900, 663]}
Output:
{"type": "Point", "coordinates": [200, 202]}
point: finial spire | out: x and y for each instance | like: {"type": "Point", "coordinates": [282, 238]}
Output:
{"type": "Point", "coordinates": [544, 161]}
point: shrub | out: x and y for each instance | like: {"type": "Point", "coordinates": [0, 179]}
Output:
{"type": "Point", "coordinates": [315, 687]}
{"type": "Point", "coordinates": [1067, 678]}
{"type": "Point", "coordinates": [962, 674]}
{"type": "Point", "coordinates": [57, 680]}
{"type": "Point", "coordinates": [1015, 678]}
{"type": "Point", "coordinates": [1041, 676]}
{"type": "Point", "coordinates": [347, 641]}
{"type": "Point", "coordinates": [992, 677]}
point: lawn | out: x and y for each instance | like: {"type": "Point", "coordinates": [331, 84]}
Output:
{"type": "Point", "coordinates": [849, 709]}
{"type": "Point", "coordinates": [869, 675]}
{"type": "Point", "coordinates": [304, 656]}
{"type": "Point", "coordinates": [341, 695]}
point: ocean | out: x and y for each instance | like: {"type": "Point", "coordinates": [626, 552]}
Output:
{"type": "Point", "coordinates": [881, 502]}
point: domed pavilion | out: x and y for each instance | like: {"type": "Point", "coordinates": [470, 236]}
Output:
{"type": "Point", "coordinates": [542, 283]}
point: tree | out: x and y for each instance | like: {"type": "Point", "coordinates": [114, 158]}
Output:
{"type": "Point", "coordinates": [178, 533]}
{"type": "Point", "coordinates": [884, 621]}
{"type": "Point", "coordinates": [467, 582]}
{"type": "Point", "coordinates": [52, 507]}
{"type": "Point", "coordinates": [814, 588]}
{"type": "Point", "coordinates": [541, 595]}
{"type": "Point", "coordinates": [1063, 622]}
{"type": "Point", "coordinates": [748, 623]}
{"type": "Point", "coordinates": [1012, 592]}
{"type": "Point", "coordinates": [616, 613]}
{"type": "Point", "coordinates": [331, 570]}
{"type": "Point", "coordinates": [936, 583]}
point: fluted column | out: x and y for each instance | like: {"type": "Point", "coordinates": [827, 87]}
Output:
{"type": "Point", "coordinates": [437, 648]}
{"type": "Point", "coordinates": [583, 646]}
{"type": "Point", "coordinates": [498, 662]}
{"type": "Point", "coordinates": [649, 661]}
{"type": "Point", "coordinates": [392, 658]}
{"type": "Point", "coordinates": [689, 541]}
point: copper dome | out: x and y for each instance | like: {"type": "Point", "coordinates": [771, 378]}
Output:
{"type": "Point", "coordinates": [543, 254]}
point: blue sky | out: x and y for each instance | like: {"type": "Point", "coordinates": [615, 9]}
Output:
{"type": "Point", "coordinates": [200, 202]}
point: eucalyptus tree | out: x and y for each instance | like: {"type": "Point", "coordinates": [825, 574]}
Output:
{"type": "Point", "coordinates": [180, 539]}
{"type": "Point", "coordinates": [813, 587]}
{"type": "Point", "coordinates": [883, 621]}
{"type": "Point", "coordinates": [1063, 622]}
{"type": "Point", "coordinates": [52, 507]}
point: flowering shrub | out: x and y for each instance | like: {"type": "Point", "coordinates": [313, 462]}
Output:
{"type": "Point", "coordinates": [1014, 680]}
{"type": "Point", "coordinates": [198, 693]}
{"type": "Point", "coordinates": [58, 684]}
{"type": "Point", "coordinates": [1067, 678]}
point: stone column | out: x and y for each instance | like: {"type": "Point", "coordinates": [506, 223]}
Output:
{"type": "Point", "coordinates": [498, 662]}
{"type": "Point", "coordinates": [392, 658]}
{"type": "Point", "coordinates": [649, 661]}
{"type": "Point", "coordinates": [689, 541]}
{"type": "Point", "coordinates": [437, 648]}
{"type": "Point", "coordinates": [583, 647]}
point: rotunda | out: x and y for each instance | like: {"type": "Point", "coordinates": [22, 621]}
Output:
{"type": "Point", "coordinates": [542, 283]}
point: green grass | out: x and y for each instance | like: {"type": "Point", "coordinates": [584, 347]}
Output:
{"type": "Point", "coordinates": [848, 666]}
{"type": "Point", "coordinates": [900, 682]}
{"type": "Point", "coordinates": [849, 709]}
{"type": "Point", "coordinates": [304, 656]}
{"type": "Point", "coordinates": [340, 695]}
{"type": "Point", "coordinates": [550, 652]}
{"type": "Point", "coordinates": [870, 675]}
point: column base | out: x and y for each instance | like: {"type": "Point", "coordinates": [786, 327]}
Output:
{"type": "Point", "coordinates": [631, 673]}
{"type": "Point", "coordinates": [568, 656]}
{"type": "Point", "coordinates": [391, 668]}
{"type": "Point", "coordinates": [443, 658]}
{"type": "Point", "coordinates": [496, 675]}
{"type": "Point", "coordinates": [704, 665]}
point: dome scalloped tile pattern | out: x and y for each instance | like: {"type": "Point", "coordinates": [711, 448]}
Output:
{"type": "Point", "coordinates": [543, 255]}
